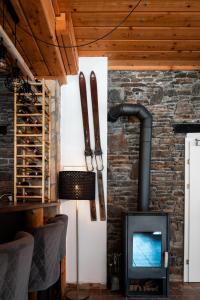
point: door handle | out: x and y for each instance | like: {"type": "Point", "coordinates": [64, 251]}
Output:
{"type": "Point", "coordinates": [166, 259]}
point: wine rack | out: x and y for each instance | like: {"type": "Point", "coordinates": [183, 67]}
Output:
{"type": "Point", "coordinates": [32, 141]}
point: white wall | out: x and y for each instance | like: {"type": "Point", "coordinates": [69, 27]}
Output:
{"type": "Point", "coordinates": [92, 235]}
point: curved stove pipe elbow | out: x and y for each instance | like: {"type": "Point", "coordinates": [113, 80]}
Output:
{"type": "Point", "coordinates": [115, 112]}
{"type": "Point", "coordinates": [129, 109]}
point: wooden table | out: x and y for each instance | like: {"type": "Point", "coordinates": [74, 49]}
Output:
{"type": "Point", "coordinates": [34, 213]}
{"type": "Point", "coordinates": [8, 207]}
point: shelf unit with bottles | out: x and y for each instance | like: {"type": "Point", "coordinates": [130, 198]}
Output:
{"type": "Point", "coordinates": [32, 142]}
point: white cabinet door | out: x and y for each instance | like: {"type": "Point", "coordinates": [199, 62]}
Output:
{"type": "Point", "coordinates": [192, 209]}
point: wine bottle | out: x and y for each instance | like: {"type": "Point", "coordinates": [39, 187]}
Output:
{"type": "Point", "coordinates": [26, 120]}
{"type": "Point", "coordinates": [29, 141]}
{"type": "Point", "coordinates": [37, 129]}
{"type": "Point", "coordinates": [32, 163]}
{"type": "Point", "coordinates": [29, 129]}
{"type": "Point", "coordinates": [39, 108]}
{"type": "Point", "coordinates": [26, 88]}
{"type": "Point", "coordinates": [35, 173]}
{"type": "Point", "coordinates": [24, 110]}
{"type": "Point", "coordinates": [22, 131]}
{"type": "Point", "coordinates": [23, 99]}
{"type": "Point", "coordinates": [36, 151]}
{"type": "Point", "coordinates": [24, 182]}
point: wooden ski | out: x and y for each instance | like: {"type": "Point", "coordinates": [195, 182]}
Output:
{"type": "Point", "coordinates": [88, 151]}
{"type": "Point", "coordinates": [98, 151]}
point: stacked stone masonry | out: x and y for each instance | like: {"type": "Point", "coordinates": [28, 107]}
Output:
{"type": "Point", "coordinates": [171, 97]}
{"type": "Point", "coordinates": [6, 141]}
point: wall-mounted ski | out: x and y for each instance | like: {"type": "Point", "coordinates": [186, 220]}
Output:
{"type": "Point", "coordinates": [86, 129]}
{"type": "Point", "coordinates": [98, 151]}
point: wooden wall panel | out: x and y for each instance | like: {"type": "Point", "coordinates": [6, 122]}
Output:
{"type": "Point", "coordinates": [139, 33]}
{"type": "Point", "coordinates": [144, 45]}
{"type": "Point", "coordinates": [63, 53]}
{"type": "Point", "coordinates": [41, 20]}
{"type": "Point", "coordinates": [66, 36]}
{"type": "Point", "coordinates": [153, 65]}
{"type": "Point", "coordinates": [146, 55]}
{"type": "Point", "coordinates": [29, 44]}
{"type": "Point", "coordinates": [138, 19]}
{"type": "Point", "coordinates": [127, 5]}
{"type": "Point", "coordinates": [56, 7]}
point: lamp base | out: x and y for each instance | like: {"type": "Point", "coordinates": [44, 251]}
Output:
{"type": "Point", "coordinates": [77, 295]}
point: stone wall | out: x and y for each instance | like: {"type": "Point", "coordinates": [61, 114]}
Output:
{"type": "Point", "coordinates": [171, 97]}
{"type": "Point", "coordinates": [7, 140]}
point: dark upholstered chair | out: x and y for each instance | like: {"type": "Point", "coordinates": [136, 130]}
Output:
{"type": "Point", "coordinates": [64, 219]}
{"type": "Point", "coordinates": [15, 264]}
{"type": "Point", "coordinates": [62, 252]}
{"type": "Point", "coordinates": [45, 269]}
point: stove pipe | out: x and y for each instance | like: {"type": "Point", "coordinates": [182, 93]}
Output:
{"type": "Point", "coordinates": [145, 118]}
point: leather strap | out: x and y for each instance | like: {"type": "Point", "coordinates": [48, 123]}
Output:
{"type": "Point", "coordinates": [86, 129]}
{"type": "Point", "coordinates": [101, 196]}
{"type": "Point", "coordinates": [98, 151]}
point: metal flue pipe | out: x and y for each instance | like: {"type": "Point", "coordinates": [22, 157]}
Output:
{"type": "Point", "coordinates": [145, 118]}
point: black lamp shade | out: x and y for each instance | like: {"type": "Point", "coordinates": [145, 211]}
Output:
{"type": "Point", "coordinates": [77, 185]}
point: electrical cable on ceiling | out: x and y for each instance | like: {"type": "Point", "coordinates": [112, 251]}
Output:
{"type": "Point", "coordinates": [84, 44]}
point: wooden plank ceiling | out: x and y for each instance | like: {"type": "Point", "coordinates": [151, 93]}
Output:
{"type": "Point", "coordinates": [159, 34]}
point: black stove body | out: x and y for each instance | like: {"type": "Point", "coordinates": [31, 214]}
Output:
{"type": "Point", "coordinates": [145, 255]}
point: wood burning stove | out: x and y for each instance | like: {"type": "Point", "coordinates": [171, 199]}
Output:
{"type": "Point", "coordinates": [145, 234]}
{"type": "Point", "coordinates": [145, 254]}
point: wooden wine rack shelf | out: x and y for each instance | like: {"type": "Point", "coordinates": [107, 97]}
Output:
{"type": "Point", "coordinates": [32, 140]}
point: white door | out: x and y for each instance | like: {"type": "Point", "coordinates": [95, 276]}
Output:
{"type": "Point", "coordinates": [192, 208]}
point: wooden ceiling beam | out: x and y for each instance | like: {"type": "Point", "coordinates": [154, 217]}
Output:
{"type": "Point", "coordinates": [60, 25]}
{"type": "Point", "coordinates": [56, 7]}
{"type": "Point", "coordinates": [41, 19]}
{"type": "Point", "coordinates": [138, 33]}
{"type": "Point", "coordinates": [127, 5]}
{"type": "Point", "coordinates": [65, 6]}
{"type": "Point", "coordinates": [28, 43]}
{"type": "Point", "coordinates": [145, 55]}
{"type": "Point", "coordinates": [63, 53]}
{"type": "Point", "coordinates": [65, 33]}
{"type": "Point", "coordinates": [8, 27]}
{"type": "Point", "coordinates": [137, 19]}
{"type": "Point", "coordinates": [142, 45]}
{"type": "Point", "coordinates": [164, 65]}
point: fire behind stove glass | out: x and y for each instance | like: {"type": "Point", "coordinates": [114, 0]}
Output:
{"type": "Point", "coordinates": [147, 249]}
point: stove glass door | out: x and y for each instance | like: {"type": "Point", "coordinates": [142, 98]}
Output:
{"type": "Point", "coordinates": [147, 249]}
